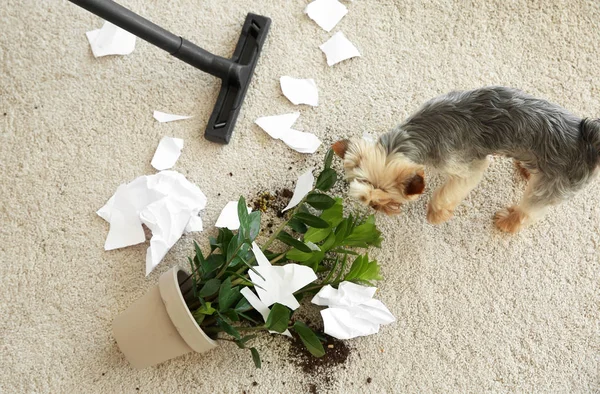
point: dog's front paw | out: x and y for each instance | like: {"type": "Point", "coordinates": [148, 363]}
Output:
{"type": "Point", "coordinates": [436, 215]}
{"type": "Point", "coordinates": [510, 220]}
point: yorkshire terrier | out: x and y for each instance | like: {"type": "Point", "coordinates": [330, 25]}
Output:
{"type": "Point", "coordinates": [455, 133]}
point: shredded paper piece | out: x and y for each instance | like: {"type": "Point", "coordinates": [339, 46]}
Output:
{"type": "Point", "coordinates": [326, 13]}
{"type": "Point", "coordinates": [352, 310]}
{"type": "Point", "coordinates": [229, 216]}
{"type": "Point", "coordinates": [280, 282]}
{"type": "Point", "coordinates": [338, 48]}
{"type": "Point", "coordinates": [167, 153]}
{"type": "Point", "coordinates": [260, 308]}
{"type": "Point", "coordinates": [300, 91]}
{"type": "Point", "coordinates": [279, 127]}
{"type": "Point", "coordinates": [163, 117]}
{"type": "Point", "coordinates": [303, 186]}
{"type": "Point", "coordinates": [167, 203]}
{"type": "Point", "coordinates": [110, 40]}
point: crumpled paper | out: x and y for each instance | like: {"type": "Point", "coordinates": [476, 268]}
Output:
{"type": "Point", "coordinates": [280, 282]}
{"type": "Point", "coordinates": [164, 117]}
{"type": "Point", "coordinates": [166, 202]}
{"type": "Point", "coordinates": [111, 40]}
{"type": "Point", "coordinates": [260, 308]}
{"type": "Point", "coordinates": [352, 310]}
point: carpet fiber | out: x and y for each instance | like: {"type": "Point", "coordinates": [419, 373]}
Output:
{"type": "Point", "coordinates": [477, 310]}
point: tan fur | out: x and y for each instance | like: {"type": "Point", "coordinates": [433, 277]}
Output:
{"type": "Point", "coordinates": [378, 180]}
{"type": "Point", "coordinates": [454, 191]}
{"type": "Point", "coordinates": [510, 219]}
{"type": "Point", "coordinates": [513, 219]}
{"type": "Point", "coordinates": [522, 170]}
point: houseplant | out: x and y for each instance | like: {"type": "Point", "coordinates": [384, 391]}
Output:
{"type": "Point", "coordinates": [213, 302]}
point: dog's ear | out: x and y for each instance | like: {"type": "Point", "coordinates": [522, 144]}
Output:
{"type": "Point", "coordinates": [416, 184]}
{"type": "Point", "coordinates": [340, 147]}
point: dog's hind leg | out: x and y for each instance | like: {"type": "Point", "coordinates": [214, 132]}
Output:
{"type": "Point", "coordinates": [532, 207]}
{"type": "Point", "coordinates": [455, 190]}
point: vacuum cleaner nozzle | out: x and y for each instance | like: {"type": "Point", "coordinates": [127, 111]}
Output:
{"type": "Point", "coordinates": [235, 73]}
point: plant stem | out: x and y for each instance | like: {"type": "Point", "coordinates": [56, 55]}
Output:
{"type": "Point", "coordinates": [282, 225]}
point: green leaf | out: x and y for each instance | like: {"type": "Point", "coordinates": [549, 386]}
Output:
{"type": "Point", "coordinates": [278, 318]}
{"type": "Point", "coordinates": [329, 242]}
{"type": "Point", "coordinates": [319, 201]}
{"type": "Point", "coordinates": [214, 244]}
{"type": "Point", "coordinates": [234, 246]}
{"type": "Point", "coordinates": [255, 357]}
{"type": "Point", "coordinates": [310, 339]}
{"type": "Point", "coordinates": [296, 255]}
{"type": "Point", "coordinates": [242, 342]}
{"type": "Point", "coordinates": [335, 214]}
{"type": "Point", "coordinates": [228, 295]}
{"type": "Point", "coordinates": [198, 258]}
{"type": "Point", "coordinates": [363, 270]}
{"type": "Point", "coordinates": [242, 210]}
{"type": "Point", "coordinates": [228, 328]}
{"type": "Point", "coordinates": [249, 318]}
{"type": "Point", "coordinates": [291, 241]}
{"type": "Point", "coordinates": [316, 235]}
{"type": "Point", "coordinates": [326, 179]}
{"type": "Point", "coordinates": [297, 226]}
{"type": "Point", "coordinates": [243, 305]}
{"type": "Point", "coordinates": [311, 220]}
{"type": "Point", "coordinates": [211, 264]}
{"type": "Point", "coordinates": [253, 225]}
{"type": "Point", "coordinates": [328, 159]}
{"type": "Point", "coordinates": [231, 315]}
{"type": "Point", "coordinates": [341, 231]}
{"type": "Point", "coordinates": [223, 239]}
{"type": "Point", "coordinates": [364, 235]}
{"type": "Point", "coordinates": [205, 309]}
{"type": "Point", "coordinates": [210, 288]}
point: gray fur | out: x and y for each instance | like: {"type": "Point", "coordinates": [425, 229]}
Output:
{"type": "Point", "coordinates": [562, 149]}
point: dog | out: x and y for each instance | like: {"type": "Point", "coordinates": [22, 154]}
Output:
{"type": "Point", "coordinates": [456, 133]}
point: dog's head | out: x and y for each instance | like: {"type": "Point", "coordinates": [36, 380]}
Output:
{"type": "Point", "coordinates": [381, 181]}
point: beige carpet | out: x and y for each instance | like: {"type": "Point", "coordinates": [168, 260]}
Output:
{"type": "Point", "coordinates": [477, 310]}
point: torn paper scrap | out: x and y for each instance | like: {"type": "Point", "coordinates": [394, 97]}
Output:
{"type": "Point", "coordinates": [338, 48]}
{"type": "Point", "coordinates": [352, 311]}
{"type": "Point", "coordinates": [304, 185]}
{"type": "Point", "coordinates": [260, 308]}
{"type": "Point", "coordinates": [167, 153]}
{"type": "Point", "coordinates": [164, 117]}
{"type": "Point", "coordinates": [276, 125]}
{"type": "Point", "coordinates": [300, 91]}
{"type": "Point", "coordinates": [326, 13]}
{"type": "Point", "coordinates": [279, 127]}
{"type": "Point", "coordinates": [229, 216]}
{"type": "Point", "coordinates": [279, 283]}
{"type": "Point", "coordinates": [110, 40]}
{"type": "Point", "coordinates": [166, 202]}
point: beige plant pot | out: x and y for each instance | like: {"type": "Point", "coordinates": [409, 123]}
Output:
{"type": "Point", "coordinates": [159, 326]}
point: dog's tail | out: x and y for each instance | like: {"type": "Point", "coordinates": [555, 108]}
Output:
{"type": "Point", "coordinates": [590, 132]}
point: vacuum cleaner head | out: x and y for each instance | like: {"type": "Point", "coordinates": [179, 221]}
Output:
{"type": "Point", "coordinates": [236, 73]}
{"type": "Point", "coordinates": [233, 90]}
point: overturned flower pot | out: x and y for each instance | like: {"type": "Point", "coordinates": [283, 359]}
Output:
{"type": "Point", "coordinates": [159, 326]}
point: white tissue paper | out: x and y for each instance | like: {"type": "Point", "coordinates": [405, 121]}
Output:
{"type": "Point", "coordinates": [229, 216]}
{"type": "Point", "coordinates": [338, 48]}
{"type": "Point", "coordinates": [326, 13]}
{"type": "Point", "coordinates": [167, 203]}
{"type": "Point", "coordinates": [304, 185]}
{"type": "Point", "coordinates": [167, 153]}
{"type": "Point", "coordinates": [279, 127]}
{"type": "Point", "coordinates": [280, 282]}
{"type": "Point", "coordinates": [352, 310]}
{"type": "Point", "coordinates": [260, 308]}
{"type": "Point", "coordinates": [300, 91]}
{"type": "Point", "coordinates": [163, 117]}
{"type": "Point", "coordinates": [110, 40]}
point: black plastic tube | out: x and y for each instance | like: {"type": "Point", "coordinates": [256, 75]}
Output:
{"type": "Point", "coordinates": [180, 48]}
